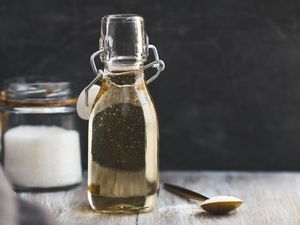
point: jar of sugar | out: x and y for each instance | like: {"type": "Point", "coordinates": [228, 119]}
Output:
{"type": "Point", "coordinates": [40, 142]}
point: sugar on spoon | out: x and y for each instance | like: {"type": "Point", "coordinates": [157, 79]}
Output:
{"type": "Point", "coordinates": [214, 205]}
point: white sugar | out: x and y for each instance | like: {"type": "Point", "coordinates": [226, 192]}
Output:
{"type": "Point", "coordinates": [42, 156]}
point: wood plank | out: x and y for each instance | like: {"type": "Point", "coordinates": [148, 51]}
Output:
{"type": "Point", "coordinates": [72, 208]}
{"type": "Point", "coordinates": [270, 198]}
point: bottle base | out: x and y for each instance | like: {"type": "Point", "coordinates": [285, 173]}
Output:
{"type": "Point", "coordinates": [117, 205]}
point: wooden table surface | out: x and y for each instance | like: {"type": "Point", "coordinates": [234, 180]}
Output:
{"type": "Point", "coordinates": [269, 198]}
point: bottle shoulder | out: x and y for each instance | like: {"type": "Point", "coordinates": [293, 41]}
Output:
{"type": "Point", "coordinates": [137, 95]}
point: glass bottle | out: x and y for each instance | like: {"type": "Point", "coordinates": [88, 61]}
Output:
{"type": "Point", "coordinates": [123, 174]}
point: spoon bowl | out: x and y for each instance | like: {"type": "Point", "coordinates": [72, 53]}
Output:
{"type": "Point", "coordinates": [221, 204]}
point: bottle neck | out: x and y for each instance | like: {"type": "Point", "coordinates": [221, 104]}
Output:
{"type": "Point", "coordinates": [112, 67]}
{"type": "Point", "coordinates": [128, 75]}
{"type": "Point", "coordinates": [123, 39]}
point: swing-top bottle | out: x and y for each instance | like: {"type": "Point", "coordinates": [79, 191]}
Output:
{"type": "Point", "coordinates": [123, 175]}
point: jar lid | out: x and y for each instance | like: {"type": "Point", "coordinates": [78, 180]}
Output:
{"type": "Point", "coordinates": [36, 91]}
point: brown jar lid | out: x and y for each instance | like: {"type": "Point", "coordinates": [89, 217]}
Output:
{"type": "Point", "coordinates": [36, 92]}
{"type": "Point", "coordinates": [27, 102]}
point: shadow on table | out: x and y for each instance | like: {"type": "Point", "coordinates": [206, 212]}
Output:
{"type": "Point", "coordinates": [83, 209]}
{"type": "Point", "coordinates": [203, 215]}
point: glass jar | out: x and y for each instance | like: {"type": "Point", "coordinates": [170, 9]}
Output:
{"type": "Point", "coordinates": [40, 142]}
{"type": "Point", "coordinates": [123, 173]}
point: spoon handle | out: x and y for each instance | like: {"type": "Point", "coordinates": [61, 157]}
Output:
{"type": "Point", "coordinates": [183, 192]}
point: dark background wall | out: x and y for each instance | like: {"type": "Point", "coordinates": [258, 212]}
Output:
{"type": "Point", "coordinates": [230, 95]}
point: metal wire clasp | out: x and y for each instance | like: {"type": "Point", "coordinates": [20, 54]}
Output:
{"type": "Point", "coordinates": [158, 64]}
{"type": "Point", "coordinates": [99, 76]}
